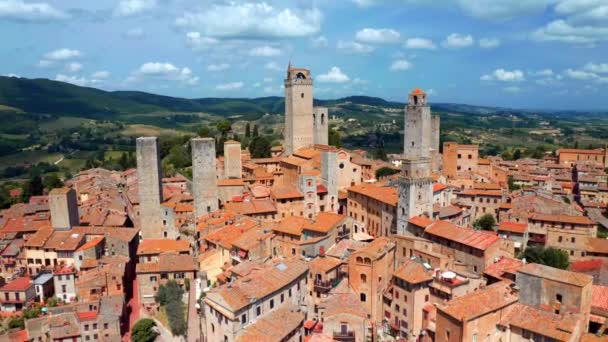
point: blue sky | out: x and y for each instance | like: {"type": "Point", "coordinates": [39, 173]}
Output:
{"type": "Point", "coordinates": [515, 53]}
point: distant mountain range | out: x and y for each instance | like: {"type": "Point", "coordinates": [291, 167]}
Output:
{"type": "Point", "coordinates": [44, 96]}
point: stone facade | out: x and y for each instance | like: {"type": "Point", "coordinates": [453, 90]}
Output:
{"type": "Point", "coordinates": [321, 126]}
{"type": "Point", "coordinates": [329, 165]}
{"type": "Point", "coordinates": [149, 177]}
{"type": "Point", "coordinates": [298, 109]}
{"type": "Point", "coordinates": [459, 161]}
{"type": "Point", "coordinates": [204, 180]}
{"type": "Point", "coordinates": [232, 159]}
{"type": "Point", "coordinates": [64, 208]}
{"type": "Point", "coordinates": [415, 183]}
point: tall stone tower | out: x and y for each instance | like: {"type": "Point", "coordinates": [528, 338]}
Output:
{"type": "Point", "coordinates": [329, 175]}
{"type": "Point", "coordinates": [298, 109]}
{"type": "Point", "coordinates": [320, 125]}
{"type": "Point", "coordinates": [64, 208]}
{"type": "Point", "coordinates": [204, 179]}
{"type": "Point", "coordinates": [149, 180]}
{"type": "Point", "coordinates": [232, 159]}
{"type": "Point", "coordinates": [415, 183]}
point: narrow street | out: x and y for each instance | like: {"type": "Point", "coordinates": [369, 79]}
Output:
{"type": "Point", "coordinates": [194, 327]}
{"type": "Point", "coordinates": [133, 310]}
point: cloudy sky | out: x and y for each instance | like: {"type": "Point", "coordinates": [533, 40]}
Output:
{"type": "Point", "coordinates": [517, 53]}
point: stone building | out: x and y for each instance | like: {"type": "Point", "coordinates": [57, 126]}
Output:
{"type": "Point", "coordinates": [373, 208]}
{"type": "Point", "coordinates": [232, 159]}
{"type": "Point", "coordinates": [64, 208]}
{"type": "Point", "coordinates": [204, 178]}
{"type": "Point", "coordinates": [460, 161]}
{"type": "Point", "coordinates": [304, 125]}
{"type": "Point", "coordinates": [415, 183]}
{"type": "Point", "coordinates": [149, 177]}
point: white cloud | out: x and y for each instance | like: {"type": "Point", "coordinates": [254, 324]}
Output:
{"type": "Point", "coordinates": [583, 11]}
{"type": "Point", "coordinates": [127, 8]}
{"type": "Point", "coordinates": [265, 51]}
{"type": "Point", "coordinates": [544, 73]}
{"type": "Point", "coordinates": [252, 20]}
{"type": "Point", "coordinates": [504, 76]}
{"type": "Point", "coordinates": [501, 10]}
{"type": "Point", "coordinates": [334, 75]}
{"type": "Point", "coordinates": [229, 86]}
{"type": "Point", "coordinates": [12, 75]}
{"type": "Point", "coordinates": [489, 43]}
{"type": "Point", "coordinates": [431, 92]}
{"type": "Point", "coordinates": [73, 67]}
{"type": "Point", "coordinates": [597, 68]}
{"type": "Point", "coordinates": [218, 67]}
{"type": "Point", "coordinates": [377, 36]}
{"type": "Point", "coordinates": [319, 42]}
{"type": "Point", "coordinates": [401, 65]}
{"type": "Point", "coordinates": [354, 47]}
{"type": "Point", "coordinates": [420, 43]}
{"type": "Point", "coordinates": [197, 42]}
{"type": "Point", "coordinates": [80, 81]}
{"type": "Point", "coordinates": [267, 79]}
{"type": "Point", "coordinates": [43, 63]}
{"type": "Point", "coordinates": [581, 75]}
{"type": "Point", "coordinates": [165, 71]}
{"type": "Point", "coordinates": [457, 41]}
{"type": "Point", "coordinates": [136, 32]}
{"type": "Point", "coordinates": [30, 11]}
{"type": "Point", "coordinates": [101, 75]}
{"type": "Point", "coordinates": [62, 54]}
{"type": "Point", "coordinates": [273, 66]}
{"type": "Point", "coordinates": [561, 31]}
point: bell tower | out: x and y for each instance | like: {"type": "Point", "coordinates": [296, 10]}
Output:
{"type": "Point", "coordinates": [415, 182]}
{"type": "Point", "coordinates": [298, 109]}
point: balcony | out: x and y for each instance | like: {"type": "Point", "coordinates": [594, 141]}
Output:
{"type": "Point", "coordinates": [344, 336]}
{"type": "Point", "coordinates": [323, 286]}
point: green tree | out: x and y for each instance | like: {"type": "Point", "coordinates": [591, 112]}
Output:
{"type": "Point", "coordinates": [224, 127]}
{"type": "Point", "coordinates": [511, 184]}
{"type": "Point", "coordinates": [204, 132]}
{"type": "Point", "coordinates": [517, 154]}
{"type": "Point", "coordinates": [17, 322]}
{"type": "Point", "coordinates": [169, 296]}
{"type": "Point", "coordinates": [385, 171]}
{"type": "Point", "coordinates": [143, 331]}
{"type": "Point", "coordinates": [255, 131]}
{"type": "Point", "coordinates": [334, 138]}
{"type": "Point", "coordinates": [547, 256]}
{"type": "Point", "coordinates": [247, 130]}
{"type": "Point", "coordinates": [380, 153]}
{"type": "Point", "coordinates": [485, 222]}
{"type": "Point", "coordinates": [260, 147]}
{"type": "Point", "coordinates": [52, 181]}
{"type": "Point", "coordinates": [33, 187]}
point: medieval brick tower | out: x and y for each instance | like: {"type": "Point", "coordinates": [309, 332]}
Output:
{"type": "Point", "coordinates": [415, 183]}
{"type": "Point", "coordinates": [299, 130]}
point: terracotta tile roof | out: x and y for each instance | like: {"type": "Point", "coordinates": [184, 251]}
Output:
{"type": "Point", "coordinates": [64, 325]}
{"type": "Point", "coordinates": [168, 263]}
{"type": "Point", "coordinates": [306, 153]}
{"type": "Point", "coordinates": [438, 187]}
{"type": "Point", "coordinates": [377, 248]}
{"type": "Point", "coordinates": [449, 211]}
{"type": "Point", "coordinates": [292, 160]}
{"type": "Point", "coordinates": [466, 236]}
{"type": "Point", "coordinates": [323, 264]}
{"type": "Point", "coordinates": [217, 218]}
{"type": "Point", "coordinates": [417, 91]}
{"type": "Point", "coordinates": [586, 265]}
{"type": "Point", "coordinates": [481, 302]}
{"type": "Point", "coordinates": [478, 192]}
{"type": "Point", "coordinates": [413, 272]}
{"type": "Point", "coordinates": [87, 315]}
{"type": "Point", "coordinates": [421, 221]}
{"type": "Point", "coordinates": [324, 222]}
{"type": "Point", "coordinates": [486, 186]}
{"type": "Point", "coordinates": [252, 207]}
{"type": "Point", "coordinates": [259, 283]}
{"type": "Point", "coordinates": [158, 246]}
{"type": "Point", "coordinates": [225, 236]}
{"type": "Point", "coordinates": [273, 327]}
{"type": "Point", "coordinates": [384, 194]}
{"type": "Point", "coordinates": [582, 220]}
{"type": "Point", "coordinates": [514, 227]}
{"type": "Point", "coordinates": [599, 301]}
{"type": "Point", "coordinates": [68, 240]}
{"type": "Point", "coordinates": [252, 238]}
{"type": "Point", "coordinates": [343, 301]}
{"type": "Point", "coordinates": [286, 192]}
{"type": "Point", "coordinates": [558, 327]}
{"type": "Point", "coordinates": [589, 337]}
{"type": "Point", "coordinates": [19, 284]}
{"type": "Point", "coordinates": [92, 243]}
{"type": "Point", "coordinates": [504, 265]}
{"type": "Point", "coordinates": [555, 274]}
{"type": "Point", "coordinates": [580, 151]}
{"type": "Point", "coordinates": [291, 225]}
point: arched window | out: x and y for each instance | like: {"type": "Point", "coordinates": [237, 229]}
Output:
{"type": "Point", "coordinates": [359, 260]}
{"type": "Point", "coordinates": [363, 297]}
{"type": "Point", "coordinates": [363, 278]}
{"type": "Point", "coordinates": [367, 260]}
